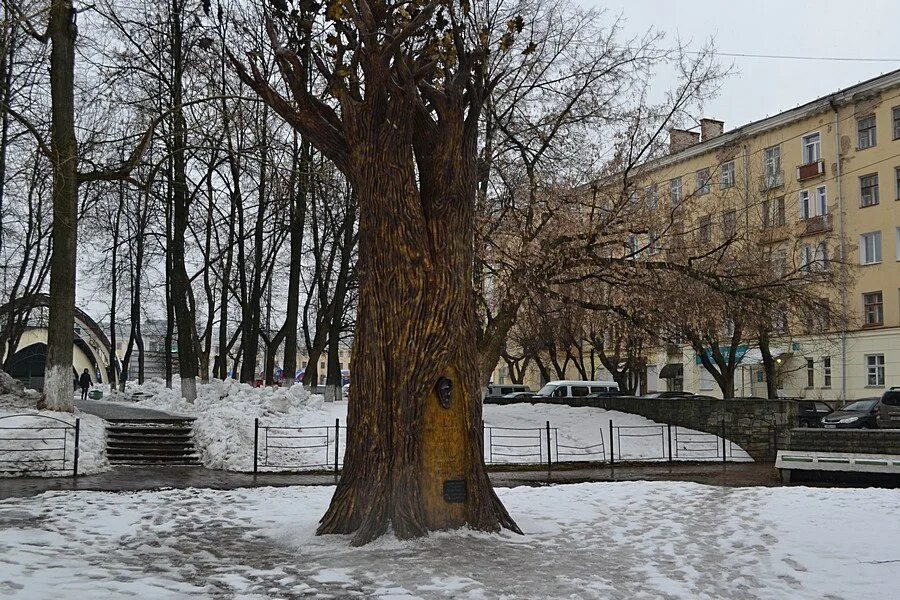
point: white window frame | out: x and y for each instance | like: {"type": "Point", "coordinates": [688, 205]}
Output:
{"type": "Point", "coordinates": [865, 256]}
{"type": "Point", "coordinates": [879, 312]}
{"type": "Point", "coordinates": [772, 163]}
{"type": "Point", "coordinates": [675, 191]}
{"type": "Point", "coordinates": [703, 181]}
{"type": "Point", "coordinates": [651, 196]}
{"type": "Point", "coordinates": [821, 256]}
{"type": "Point", "coordinates": [826, 371]}
{"type": "Point", "coordinates": [726, 173]}
{"type": "Point", "coordinates": [821, 206]}
{"type": "Point", "coordinates": [811, 148]}
{"type": "Point", "coordinates": [897, 245]}
{"type": "Point", "coordinates": [810, 372]}
{"type": "Point", "coordinates": [875, 370]}
{"type": "Point", "coordinates": [805, 205]}
{"type": "Point", "coordinates": [806, 258]}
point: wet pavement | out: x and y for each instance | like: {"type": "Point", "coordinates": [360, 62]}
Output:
{"type": "Point", "coordinates": [129, 478]}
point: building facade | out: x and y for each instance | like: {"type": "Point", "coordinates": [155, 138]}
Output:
{"type": "Point", "coordinates": [819, 182]}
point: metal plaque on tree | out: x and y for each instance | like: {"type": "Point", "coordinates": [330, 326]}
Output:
{"type": "Point", "coordinates": [455, 491]}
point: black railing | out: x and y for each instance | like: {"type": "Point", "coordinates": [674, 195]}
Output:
{"type": "Point", "coordinates": [36, 447]}
{"type": "Point", "coordinates": [294, 448]}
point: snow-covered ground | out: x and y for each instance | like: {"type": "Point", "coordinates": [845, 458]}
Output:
{"type": "Point", "coordinates": [603, 540]}
{"type": "Point", "coordinates": [42, 442]}
{"type": "Point", "coordinates": [297, 429]}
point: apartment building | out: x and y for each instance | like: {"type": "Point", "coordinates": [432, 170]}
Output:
{"type": "Point", "coordinates": [819, 182]}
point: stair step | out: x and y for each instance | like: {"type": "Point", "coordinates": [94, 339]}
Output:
{"type": "Point", "coordinates": [150, 430]}
{"type": "Point", "coordinates": [154, 462]}
{"type": "Point", "coordinates": [151, 451]}
{"type": "Point", "coordinates": [188, 456]}
{"type": "Point", "coordinates": [167, 421]}
{"type": "Point", "coordinates": [144, 443]}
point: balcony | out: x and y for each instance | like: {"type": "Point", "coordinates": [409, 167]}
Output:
{"type": "Point", "coordinates": [772, 235]}
{"type": "Point", "coordinates": [810, 170]}
{"type": "Point", "coordinates": [814, 225]}
{"type": "Point", "coordinates": [770, 181]}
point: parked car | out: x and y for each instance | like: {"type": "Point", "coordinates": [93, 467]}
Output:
{"type": "Point", "coordinates": [608, 394]}
{"type": "Point", "coordinates": [810, 412]}
{"type": "Point", "coordinates": [862, 414]}
{"type": "Point", "coordinates": [669, 395]}
{"type": "Point", "coordinates": [566, 388]}
{"type": "Point", "coordinates": [498, 391]}
{"type": "Point", "coordinates": [520, 395]}
{"type": "Point", "coordinates": [889, 409]}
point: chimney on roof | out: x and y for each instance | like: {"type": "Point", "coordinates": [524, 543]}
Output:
{"type": "Point", "coordinates": [710, 128]}
{"type": "Point", "coordinates": [679, 139]}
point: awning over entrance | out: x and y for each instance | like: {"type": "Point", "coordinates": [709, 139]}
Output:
{"type": "Point", "coordinates": [754, 356]}
{"type": "Point", "coordinates": [672, 371]}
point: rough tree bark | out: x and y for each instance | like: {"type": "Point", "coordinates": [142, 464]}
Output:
{"type": "Point", "coordinates": [58, 391]}
{"type": "Point", "coordinates": [414, 176]}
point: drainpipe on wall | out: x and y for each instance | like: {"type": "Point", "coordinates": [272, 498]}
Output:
{"type": "Point", "coordinates": [843, 290]}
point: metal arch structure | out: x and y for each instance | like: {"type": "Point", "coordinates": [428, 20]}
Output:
{"type": "Point", "coordinates": [33, 301]}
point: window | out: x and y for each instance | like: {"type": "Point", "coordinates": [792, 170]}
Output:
{"type": "Point", "coordinates": [810, 372]}
{"type": "Point", "coordinates": [873, 308]}
{"type": "Point", "coordinates": [706, 380]}
{"type": "Point", "coordinates": [895, 113]}
{"type": "Point", "coordinates": [870, 248]}
{"type": "Point", "coordinates": [727, 175]}
{"type": "Point", "coordinates": [821, 200]}
{"type": "Point", "coordinates": [321, 365]}
{"type": "Point", "coordinates": [633, 198]}
{"type": "Point", "coordinates": [702, 182]}
{"type": "Point", "coordinates": [703, 229]}
{"type": "Point", "coordinates": [772, 158]}
{"type": "Point", "coordinates": [868, 190]}
{"type": "Point", "coordinates": [651, 197]}
{"type": "Point", "coordinates": [579, 391]}
{"type": "Point", "coordinates": [632, 246]}
{"type": "Point", "coordinates": [897, 183]}
{"type": "Point", "coordinates": [811, 148]}
{"type": "Point", "coordinates": [875, 370]}
{"type": "Point", "coordinates": [804, 205]}
{"type": "Point", "coordinates": [865, 128]}
{"type": "Point", "coordinates": [821, 256]}
{"type": "Point", "coordinates": [806, 258]}
{"type": "Point", "coordinates": [826, 371]}
{"type": "Point", "coordinates": [897, 244]}
{"type": "Point", "coordinates": [675, 191]}
{"type": "Point", "coordinates": [773, 212]}
{"type": "Point", "coordinates": [729, 223]}
{"type": "Point", "coordinates": [652, 243]}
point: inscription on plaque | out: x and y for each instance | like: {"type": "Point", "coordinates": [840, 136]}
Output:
{"type": "Point", "coordinates": [455, 491]}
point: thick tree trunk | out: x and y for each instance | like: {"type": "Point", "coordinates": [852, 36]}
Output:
{"type": "Point", "coordinates": [58, 390]}
{"type": "Point", "coordinates": [299, 181]}
{"type": "Point", "coordinates": [415, 326]}
{"type": "Point", "coordinates": [769, 366]}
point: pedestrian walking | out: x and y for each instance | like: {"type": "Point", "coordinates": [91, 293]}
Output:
{"type": "Point", "coordinates": [85, 382]}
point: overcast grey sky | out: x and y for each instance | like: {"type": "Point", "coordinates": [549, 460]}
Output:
{"type": "Point", "coordinates": [761, 87]}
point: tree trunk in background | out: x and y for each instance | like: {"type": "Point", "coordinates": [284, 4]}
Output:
{"type": "Point", "coordinates": [334, 381]}
{"type": "Point", "coordinates": [58, 390]}
{"type": "Point", "coordinates": [299, 181]}
{"type": "Point", "coordinates": [188, 366]}
{"type": "Point", "coordinates": [769, 366]}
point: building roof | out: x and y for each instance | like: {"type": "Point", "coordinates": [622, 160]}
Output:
{"type": "Point", "coordinates": [822, 104]}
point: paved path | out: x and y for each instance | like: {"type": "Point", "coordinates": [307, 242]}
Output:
{"type": "Point", "coordinates": [122, 479]}
{"type": "Point", "coordinates": [118, 410]}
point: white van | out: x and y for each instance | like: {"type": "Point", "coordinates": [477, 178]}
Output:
{"type": "Point", "coordinates": [565, 388]}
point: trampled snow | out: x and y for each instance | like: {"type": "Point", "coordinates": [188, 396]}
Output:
{"type": "Point", "coordinates": [297, 429]}
{"type": "Point", "coordinates": [602, 540]}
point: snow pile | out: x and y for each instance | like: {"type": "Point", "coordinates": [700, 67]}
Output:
{"type": "Point", "coordinates": [599, 540]}
{"type": "Point", "coordinates": [42, 442]}
{"type": "Point", "coordinates": [225, 413]}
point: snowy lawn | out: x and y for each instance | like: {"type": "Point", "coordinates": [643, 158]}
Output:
{"type": "Point", "coordinates": [602, 540]}
{"type": "Point", "coordinates": [297, 430]}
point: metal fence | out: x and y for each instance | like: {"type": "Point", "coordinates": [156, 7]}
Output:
{"type": "Point", "coordinates": [38, 444]}
{"type": "Point", "coordinates": [291, 448]}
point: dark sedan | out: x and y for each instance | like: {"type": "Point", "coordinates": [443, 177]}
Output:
{"type": "Point", "coordinates": [861, 414]}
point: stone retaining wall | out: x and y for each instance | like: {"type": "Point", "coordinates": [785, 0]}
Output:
{"type": "Point", "coordinates": [864, 441]}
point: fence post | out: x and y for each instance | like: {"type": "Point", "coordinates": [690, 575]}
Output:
{"type": "Point", "coordinates": [337, 438]}
{"type": "Point", "coordinates": [612, 446]}
{"type": "Point", "coordinates": [255, 445]}
{"type": "Point", "coordinates": [669, 426]}
{"type": "Point", "coordinates": [724, 453]}
{"type": "Point", "coordinates": [77, 436]}
{"type": "Point", "coordinates": [549, 457]}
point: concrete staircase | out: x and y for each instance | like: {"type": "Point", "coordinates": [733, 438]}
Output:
{"type": "Point", "coordinates": [151, 442]}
